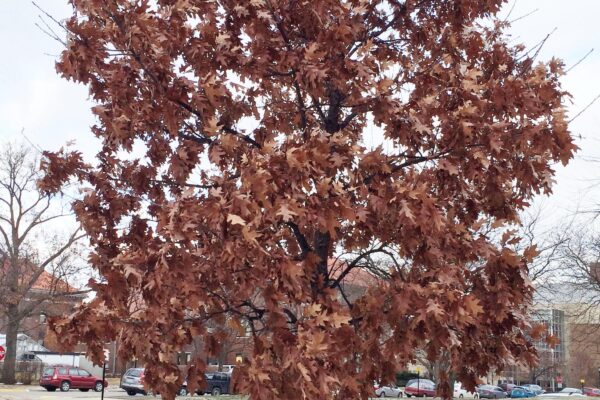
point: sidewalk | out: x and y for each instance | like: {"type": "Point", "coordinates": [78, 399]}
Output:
{"type": "Point", "coordinates": [14, 388]}
{"type": "Point", "coordinates": [113, 382]}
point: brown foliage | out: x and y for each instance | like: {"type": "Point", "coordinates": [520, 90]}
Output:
{"type": "Point", "coordinates": [254, 118]}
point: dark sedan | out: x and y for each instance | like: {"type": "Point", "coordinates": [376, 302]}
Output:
{"type": "Point", "coordinates": [216, 383]}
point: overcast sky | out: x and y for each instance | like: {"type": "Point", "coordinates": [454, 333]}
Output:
{"type": "Point", "coordinates": [53, 111]}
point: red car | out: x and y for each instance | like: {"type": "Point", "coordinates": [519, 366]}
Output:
{"type": "Point", "coordinates": [66, 378]}
{"type": "Point", "coordinates": [421, 388]}
{"type": "Point", "coordinates": [592, 392]}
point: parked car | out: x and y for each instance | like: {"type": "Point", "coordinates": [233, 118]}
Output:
{"type": "Point", "coordinates": [564, 392]}
{"type": "Point", "coordinates": [415, 380]}
{"type": "Point", "coordinates": [227, 369]}
{"type": "Point", "coordinates": [420, 388]}
{"type": "Point", "coordinates": [132, 381]}
{"type": "Point", "coordinates": [592, 392]}
{"type": "Point", "coordinates": [460, 393]}
{"type": "Point", "coordinates": [217, 383]}
{"type": "Point", "coordinates": [506, 386]}
{"type": "Point", "coordinates": [520, 392]}
{"type": "Point", "coordinates": [387, 391]}
{"type": "Point", "coordinates": [537, 389]}
{"type": "Point", "coordinates": [491, 392]}
{"type": "Point", "coordinates": [67, 377]}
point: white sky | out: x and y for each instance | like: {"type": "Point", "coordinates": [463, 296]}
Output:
{"type": "Point", "coordinates": [53, 111]}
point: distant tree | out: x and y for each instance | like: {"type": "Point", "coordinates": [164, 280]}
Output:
{"type": "Point", "coordinates": [36, 265]}
{"type": "Point", "coordinates": [549, 241]}
{"type": "Point", "coordinates": [547, 367]}
{"type": "Point", "coordinates": [580, 257]}
{"type": "Point", "coordinates": [255, 120]}
{"type": "Point", "coordinates": [435, 369]}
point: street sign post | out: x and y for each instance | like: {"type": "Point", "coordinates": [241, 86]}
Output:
{"type": "Point", "coordinates": [106, 358]}
{"type": "Point", "coordinates": [2, 353]}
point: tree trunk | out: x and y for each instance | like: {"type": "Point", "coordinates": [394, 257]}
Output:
{"type": "Point", "coordinates": [321, 246]}
{"type": "Point", "coordinates": [10, 359]}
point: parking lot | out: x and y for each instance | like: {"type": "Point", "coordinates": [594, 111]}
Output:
{"type": "Point", "coordinates": [38, 393]}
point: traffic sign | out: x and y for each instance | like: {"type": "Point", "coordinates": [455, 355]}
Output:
{"type": "Point", "coordinates": [2, 353]}
{"type": "Point", "coordinates": [106, 355]}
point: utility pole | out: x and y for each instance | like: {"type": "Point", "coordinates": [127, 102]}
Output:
{"type": "Point", "coordinates": [106, 358]}
{"type": "Point", "coordinates": [103, 378]}
{"type": "Point", "coordinates": [553, 365]}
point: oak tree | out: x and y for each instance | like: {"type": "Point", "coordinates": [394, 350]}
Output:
{"type": "Point", "coordinates": [245, 144]}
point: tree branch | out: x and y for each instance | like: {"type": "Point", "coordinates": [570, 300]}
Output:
{"type": "Point", "coordinates": [301, 239]}
{"type": "Point", "coordinates": [353, 264]}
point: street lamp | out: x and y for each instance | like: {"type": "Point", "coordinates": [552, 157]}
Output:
{"type": "Point", "coordinates": [42, 330]}
{"type": "Point", "coordinates": [582, 381]}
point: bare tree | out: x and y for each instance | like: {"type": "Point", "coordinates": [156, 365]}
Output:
{"type": "Point", "coordinates": [549, 243]}
{"type": "Point", "coordinates": [547, 367]}
{"type": "Point", "coordinates": [36, 266]}
{"type": "Point", "coordinates": [434, 369]}
{"type": "Point", "coordinates": [580, 260]}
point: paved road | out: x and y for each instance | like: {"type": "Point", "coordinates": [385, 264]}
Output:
{"type": "Point", "coordinates": [38, 393]}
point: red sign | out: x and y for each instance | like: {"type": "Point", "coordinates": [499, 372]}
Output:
{"type": "Point", "coordinates": [559, 379]}
{"type": "Point", "coordinates": [2, 353]}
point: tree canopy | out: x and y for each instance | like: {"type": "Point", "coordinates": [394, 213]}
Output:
{"type": "Point", "coordinates": [245, 144]}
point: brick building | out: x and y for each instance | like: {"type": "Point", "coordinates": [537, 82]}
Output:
{"type": "Point", "coordinates": [34, 325]}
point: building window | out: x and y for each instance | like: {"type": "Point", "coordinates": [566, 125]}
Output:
{"type": "Point", "coordinates": [246, 331]}
{"type": "Point", "coordinates": [184, 358]}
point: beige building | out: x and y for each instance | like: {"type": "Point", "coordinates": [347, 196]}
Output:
{"type": "Point", "coordinates": [572, 315]}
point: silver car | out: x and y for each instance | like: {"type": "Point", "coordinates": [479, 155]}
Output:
{"type": "Point", "coordinates": [133, 381]}
{"type": "Point", "coordinates": [388, 391]}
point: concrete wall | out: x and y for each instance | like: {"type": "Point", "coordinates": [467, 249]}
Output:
{"type": "Point", "coordinates": [89, 366]}
{"type": "Point", "coordinates": [74, 360]}
{"type": "Point", "coordinates": [62, 359]}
